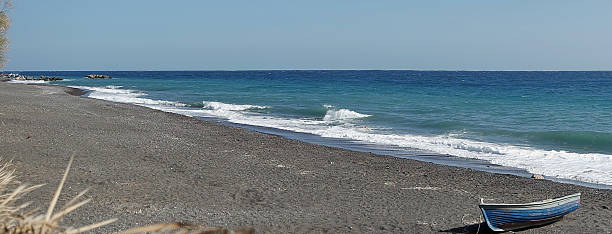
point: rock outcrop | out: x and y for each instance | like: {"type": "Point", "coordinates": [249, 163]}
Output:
{"type": "Point", "coordinates": [50, 78]}
{"type": "Point", "coordinates": [96, 76]}
{"type": "Point", "coordinates": [13, 76]}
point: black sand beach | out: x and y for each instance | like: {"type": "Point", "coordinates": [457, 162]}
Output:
{"type": "Point", "coordinates": [146, 166]}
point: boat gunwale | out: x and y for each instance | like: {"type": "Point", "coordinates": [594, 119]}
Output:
{"type": "Point", "coordinates": [527, 205]}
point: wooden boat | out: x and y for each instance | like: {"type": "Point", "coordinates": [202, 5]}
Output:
{"type": "Point", "coordinates": [505, 217]}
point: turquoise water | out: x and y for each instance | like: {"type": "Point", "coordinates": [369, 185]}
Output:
{"type": "Point", "coordinates": [554, 123]}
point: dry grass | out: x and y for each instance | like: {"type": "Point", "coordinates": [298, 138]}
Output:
{"type": "Point", "coordinates": [17, 219]}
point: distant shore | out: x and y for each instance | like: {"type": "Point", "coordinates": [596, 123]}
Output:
{"type": "Point", "coordinates": [146, 166]}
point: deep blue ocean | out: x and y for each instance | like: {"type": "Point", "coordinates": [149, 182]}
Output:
{"type": "Point", "coordinates": [558, 124]}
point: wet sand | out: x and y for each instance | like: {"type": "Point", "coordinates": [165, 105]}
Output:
{"type": "Point", "coordinates": [146, 166]}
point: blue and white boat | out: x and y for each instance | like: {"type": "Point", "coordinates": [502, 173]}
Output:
{"type": "Point", "coordinates": [505, 217]}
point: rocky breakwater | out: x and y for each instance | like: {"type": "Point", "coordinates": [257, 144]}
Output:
{"type": "Point", "coordinates": [13, 76]}
{"type": "Point", "coordinates": [50, 78]}
{"type": "Point", "coordinates": [95, 76]}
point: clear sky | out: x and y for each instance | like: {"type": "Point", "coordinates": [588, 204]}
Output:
{"type": "Point", "coordinates": [312, 34]}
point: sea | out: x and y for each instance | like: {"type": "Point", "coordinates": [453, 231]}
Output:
{"type": "Point", "coordinates": [554, 123]}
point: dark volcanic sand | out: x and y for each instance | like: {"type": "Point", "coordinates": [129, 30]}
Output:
{"type": "Point", "coordinates": [146, 166]}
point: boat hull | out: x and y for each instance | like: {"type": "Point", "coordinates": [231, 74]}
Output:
{"type": "Point", "coordinates": [505, 217]}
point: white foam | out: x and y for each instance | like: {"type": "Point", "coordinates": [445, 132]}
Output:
{"type": "Point", "coordinates": [229, 107]}
{"type": "Point", "coordinates": [342, 114]}
{"type": "Point", "coordinates": [27, 81]}
{"type": "Point", "coordinates": [592, 168]}
{"type": "Point", "coordinates": [125, 96]}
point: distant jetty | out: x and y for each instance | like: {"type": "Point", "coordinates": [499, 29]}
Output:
{"type": "Point", "coordinates": [96, 76]}
{"type": "Point", "coordinates": [13, 76]}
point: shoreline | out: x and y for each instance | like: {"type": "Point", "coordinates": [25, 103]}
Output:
{"type": "Point", "coordinates": [144, 170]}
{"type": "Point", "coordinates": [440, 159]}
{"type": "Point", "coordinates": [577, 155]}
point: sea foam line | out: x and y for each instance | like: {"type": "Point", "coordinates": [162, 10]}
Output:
{"type": "Point", "coordinates": [27, 81]}
{"type": "Point", "coordinates": [591, 168]}
{"type": "Point", "coordinates": [115, 94]}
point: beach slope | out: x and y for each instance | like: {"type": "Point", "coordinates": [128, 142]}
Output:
{"type": "Point", "coordinates": [146, 166]}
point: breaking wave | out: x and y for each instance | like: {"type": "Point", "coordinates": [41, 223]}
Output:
{"type": "Point", "coordinates": [229, 107]}
{"type": "Point", "coordinates": [342, 114]}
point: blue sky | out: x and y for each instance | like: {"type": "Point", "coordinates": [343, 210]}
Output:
{"type": "Point", "coordinates": [239, 35]}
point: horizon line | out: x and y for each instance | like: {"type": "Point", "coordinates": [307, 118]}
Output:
{"type": "Point", "coordinates": [235, 70]}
